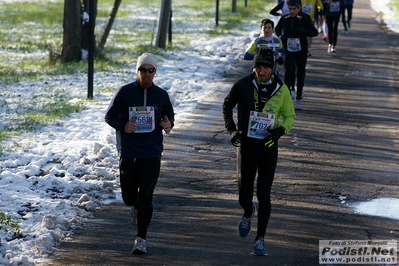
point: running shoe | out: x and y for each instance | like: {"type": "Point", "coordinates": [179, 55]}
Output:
{"type": "Point", "coordinates": [345, 32]}
{"type": "Point", "coordinates": [298, 105]}
{"type": "Point", "coordinates": [139, 246]}
{"type": "Point", "coordinates": [293, 94]}
{"type": "Point", "coordinates": [333, 49]}
{"type": "Point", "coordinates": [329, 48]}
{"type": "Point", "coordinates": [244, 226]}
{"type": "Point", "coordinates": [259, 247]}
{"type": "Point", "coordinates": [133, 216]}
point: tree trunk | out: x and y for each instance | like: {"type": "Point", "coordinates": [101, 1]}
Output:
{"type": "Point", "coordinates": [163, 23]}
{"type": "Point", "coordinates": [110, 23]}
{"type": "Point", "coordinates": [71, 47]}
{"type": "Point", "coordinates": [85, 25]}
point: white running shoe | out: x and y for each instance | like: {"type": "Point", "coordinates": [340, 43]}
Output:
{"type": "Point", "coordinates": [293, 94]}
{"type": "Point", "coordinates": [298, 105]}
{"type": "Point", "coordinates": [139, 246]}
{"type": "Point", "coordinates": [333, 49]}
{"type": "Point", "coordinates": [329, 48]}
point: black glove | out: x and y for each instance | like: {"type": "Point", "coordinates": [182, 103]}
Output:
{"type": "Point", "coordinates": [235, 138]}
{"type": "Point", "coordinates": [301, 31]}
{"type": "Point", "coordinates": [275, 134]}
{"type": "Point", "coordinates": [280, 60]}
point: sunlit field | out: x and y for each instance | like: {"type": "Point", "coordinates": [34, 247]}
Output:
{"type": "Point", "coordinates": [30, 31]}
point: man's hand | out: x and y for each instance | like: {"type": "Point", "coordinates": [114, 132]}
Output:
{"type": "Point", "coordinates": [235, 138]}
{"type": "Point", "coordinates": [275, 134]}
{"type": "Point", "coordinates": [166, 124]}
{"type": "Point", "coordinates": [130, 126]}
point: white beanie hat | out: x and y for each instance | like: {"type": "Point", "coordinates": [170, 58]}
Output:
{"type": "Point", "coordinates": [146, 58]}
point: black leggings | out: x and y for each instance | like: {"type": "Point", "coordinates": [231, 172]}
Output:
{"type": "Point", "coordinates": [332, 24]}
{"type": "Point", "coordinates": [295, 62]}
{"type": "Point", "coordinates": [138, 177]}
{"type": "Point", "coordinates": [348, 8]}
{"type": "Point", "coordinates": [252, 158]}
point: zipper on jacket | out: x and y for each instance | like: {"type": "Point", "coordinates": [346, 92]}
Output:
{"type": "Point", "coordinates": [256, 94]}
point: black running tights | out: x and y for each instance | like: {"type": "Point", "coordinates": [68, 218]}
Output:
{"type": "Point", "coordinates": [332, 24]}
{"type": "Point", "coordinates": [138, 177]}
{"type": "Point", "coordinates": [295, 62]}
{"type": "Point", "coordinates": [249, 161]}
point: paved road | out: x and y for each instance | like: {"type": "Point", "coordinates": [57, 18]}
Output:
{"type": "Point", "coordinates": [344, 144]}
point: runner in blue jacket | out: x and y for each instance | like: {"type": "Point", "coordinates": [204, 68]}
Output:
{"type": "Point", "coordinates": [348, 7]}
{"type": "Point", "coordinates": [139, 112]}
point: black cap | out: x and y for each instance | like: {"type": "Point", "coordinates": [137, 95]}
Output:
{"type": "Point", "coordinates": [295, 3]}
{"type": "Point", "coordinates": [264, 57]}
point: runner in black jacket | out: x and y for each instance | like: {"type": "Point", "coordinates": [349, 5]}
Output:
{"type": "Point", "coordinates": [294, 29]}
{"type": "Point", "coordinates": [333, 10]}
{"type": "Point", "coordinates": [265, 113]}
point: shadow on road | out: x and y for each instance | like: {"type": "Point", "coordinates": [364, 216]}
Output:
{"type": "Point", "coordinates": [343, 149]}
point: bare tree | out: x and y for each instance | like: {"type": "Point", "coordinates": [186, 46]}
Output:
{"type": "Point", "coordinates": [110, 23]}
{"type": "Point", "coordinates": [71, 47]}
{"type": "Point", "coordinates": [86, 16]}
{"type": "Point", "coordinates": [164, 20]}
{"type": "Point", "coordinates": [76, 29]}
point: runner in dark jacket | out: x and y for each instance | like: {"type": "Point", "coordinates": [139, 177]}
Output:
{"type": "Point", "coordinates": [147, 144]}
{"type": "Point", "coordinates": [294, 29]}
{"type": "Point", "coordinates": [265, 113]}
{"type": "Point", "coordinates": [332, 11]}
{"type": "Point", "coordinates": [140, 112]}
{"type": "Point", "coordinates": [348, 6]}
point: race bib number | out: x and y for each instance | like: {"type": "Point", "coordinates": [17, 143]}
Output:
{"type": "Point", "coordinates": [272, 46]}
{"type": "Point", "coordinates": [334, 6]}
{"type": "Point", "coordinates": [259, 124]}
{"type": "Point", "coordinates": [293, 44]}
{"type": "Point", "coordinates": [307, 8]}
{"type": "Point", "coordinates": [144, 117]}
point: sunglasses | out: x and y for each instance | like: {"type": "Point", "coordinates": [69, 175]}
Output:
{"type": "Point", "coordinates": [144, 70]}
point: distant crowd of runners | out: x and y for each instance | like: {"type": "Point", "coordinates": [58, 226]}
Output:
{"type": "Point", "coordinates": [300, 21]}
